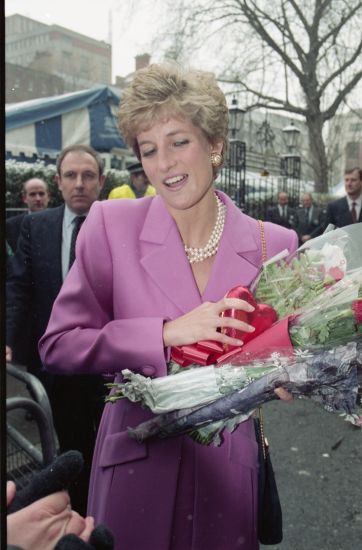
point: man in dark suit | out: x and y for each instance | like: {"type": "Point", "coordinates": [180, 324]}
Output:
{"type": "Point", "coordinates": [310, 219]}
{"type": "Point", "coordinates": [282, 214]}
{"type": "Point", "coordinates": [35, 195]}
{"type": "Point", "coordinates": [348, 209]}
{"type": "Point", "coordinates": [38, 268]}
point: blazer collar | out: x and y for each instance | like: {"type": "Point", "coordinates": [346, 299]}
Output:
{"type": "Point", "coordinates": [165, 261]}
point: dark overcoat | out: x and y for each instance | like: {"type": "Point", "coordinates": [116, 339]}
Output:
{"type": "Point", "coordinates": [35, 279]}
{"type": "Point", "coordinates": [339, 214]}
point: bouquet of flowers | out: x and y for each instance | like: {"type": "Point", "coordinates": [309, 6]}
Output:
{"type": "Point", "coordinates": [314, 349]}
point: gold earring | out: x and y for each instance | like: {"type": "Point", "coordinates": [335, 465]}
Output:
{"type": "Point", "coordinates": [216, 159]}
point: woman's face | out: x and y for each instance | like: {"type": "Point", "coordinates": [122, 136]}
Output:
{"type": "Point", "coordinates": [176, 156]}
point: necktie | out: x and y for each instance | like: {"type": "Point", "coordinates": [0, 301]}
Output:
{"type": "Point", "coordinates": [77, 223]}
{"type": "Point", "coordinates": [354, 212]}
{"type": "Point", "coordinates": [307, 216]}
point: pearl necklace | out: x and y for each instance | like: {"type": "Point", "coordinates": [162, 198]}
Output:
{"type": "Point", "coordinates": [195, 255]}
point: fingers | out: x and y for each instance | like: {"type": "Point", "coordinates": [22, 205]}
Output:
{"type": "Point", "coordinates": [42, 523]}
{"type": "Point", "coordinates": [231, 322]}
{"type": "Point", "coordinates": [210, 321]}
{"type": "Point", "coordinates": [10, 492]}
{"type": "Point", "coordinates": [234, 321]}
{"type": "Point", "coordinates": [234, 303]}
{"type": "Point", "coordinates": [283, 394]}
{"type": "Point", "coordinates": [55, 503]}
{"type": "Point", "coordinates": [89, 526]}
{"type": "Point", "coordinates": [8, 354]}
{"type": "Point", "coordinates": [226, 314]}
{"type": "Point", "coordinates": [76, 524]}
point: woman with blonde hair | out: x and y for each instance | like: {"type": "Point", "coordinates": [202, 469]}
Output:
{"type": "Point", "coordinates": [151, 274]}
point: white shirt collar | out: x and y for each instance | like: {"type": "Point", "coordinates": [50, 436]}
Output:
{"type": "Point", "coordinates": [357, 201]}
{"type": "Point", "coordinates": [69, 216]}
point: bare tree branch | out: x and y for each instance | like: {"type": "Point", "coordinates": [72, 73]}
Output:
{"type": "Point", "coordinates": [283, 55]}
{"type": "Point", "coordinates": [335, 30]}
{"type": "Point", "coordinates": [331, 111]}
{"type": "Point", "coordinates": [258, 26]}
{"type": "Point", "coordinates": [267, 100]}
{"type": "Point", "coordinates": [342, 68]}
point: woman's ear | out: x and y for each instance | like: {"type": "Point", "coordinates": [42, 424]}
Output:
{"type": "Point", "coordinates": [217, 147]}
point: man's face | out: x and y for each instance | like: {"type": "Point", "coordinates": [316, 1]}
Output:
{"type": "Point", "coordinates": [36, 195]}
{"type": "Point", "coordinates": [353, 184]}
{"type": "Point", "coordinates": [139, 181]}
{"type": "Point", "coordinates": [283, 199]}
{"type": "Point", "coordinates": [307, 201]}
{"type": "Point", "coordinates": [79, 181]}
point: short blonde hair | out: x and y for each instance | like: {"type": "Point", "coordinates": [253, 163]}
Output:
{"type": "Point", "coordinates": [160, 91]}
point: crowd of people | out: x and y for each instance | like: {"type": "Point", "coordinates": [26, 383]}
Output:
{"type": "Point", "coordinates": [104, 286]}
{"type": "Point", "coordinates": [311, 220]}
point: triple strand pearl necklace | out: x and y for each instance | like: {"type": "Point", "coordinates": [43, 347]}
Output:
{"type": "Point", "coordinates": [195, 255]}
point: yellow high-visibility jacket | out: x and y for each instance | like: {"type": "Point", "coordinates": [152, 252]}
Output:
{"type": "Point", "coordinates": [125, 191]}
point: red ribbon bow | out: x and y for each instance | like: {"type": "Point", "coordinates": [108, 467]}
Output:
{"type": "Point", "coordinates": [209, 352]}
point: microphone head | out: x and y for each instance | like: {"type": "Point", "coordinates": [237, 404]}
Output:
{"type": "Point", "coordinates": [55, 477]}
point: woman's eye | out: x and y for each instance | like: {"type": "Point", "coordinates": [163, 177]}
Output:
{"type": "Point", "coordinates": [147, 153]}
{"type": "Point", "coordinates": [181, 142]}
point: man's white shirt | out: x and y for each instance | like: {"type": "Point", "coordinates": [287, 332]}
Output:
{"type": "Point", "coordinates": [67, 231]}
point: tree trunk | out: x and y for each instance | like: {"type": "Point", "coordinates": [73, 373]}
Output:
{"type": "Point", "coordinates": [318, 152]}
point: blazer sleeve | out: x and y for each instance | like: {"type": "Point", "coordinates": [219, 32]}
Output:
{"type": "Point", "coordinates": [318, 230]}
{"type": "Point", "coordinates": [82, 335]}
{"type": "Point", "coordinates": [331, 214]}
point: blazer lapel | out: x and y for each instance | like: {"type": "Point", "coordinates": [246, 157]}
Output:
{"type": "Point", "coordinates": [238, 258]}
{"type": "Point", "coordinates": [164, 259]}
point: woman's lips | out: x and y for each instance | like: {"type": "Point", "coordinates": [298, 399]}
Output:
{"type": "Point", "coordinates": [175, 181]}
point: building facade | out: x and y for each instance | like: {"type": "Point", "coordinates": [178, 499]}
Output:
{"type": "Point", "coordinates": [23, 84]}
{"type": "Point", "coordinates": [80, 61]}
{"type": "Point", "coordinates": [263, 135]}
{"type": "Point", "coordinates": [344, 143]}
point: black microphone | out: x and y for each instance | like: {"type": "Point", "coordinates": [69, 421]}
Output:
{"type": "Point", "coordinates": [55, 477]}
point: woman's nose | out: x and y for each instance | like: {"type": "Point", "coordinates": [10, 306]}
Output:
{"type": "Point", "coordinates": [166, 160]}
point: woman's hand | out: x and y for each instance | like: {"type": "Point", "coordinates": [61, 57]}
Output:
{"type": "Point", "coordinates": [8, 354]}
{"type": "Point", "coordinates": [45, 521]}
{"type": "Point", "coordinates": [283, 394]}
{"type": "Point", "coordinates": [203, 322]}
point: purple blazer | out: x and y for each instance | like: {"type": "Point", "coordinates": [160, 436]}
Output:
{"type": "Point", "coordinates": [131, 274]}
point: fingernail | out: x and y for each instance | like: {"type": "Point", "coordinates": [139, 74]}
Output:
{"type": "Point", "coordinates": [251, 328]}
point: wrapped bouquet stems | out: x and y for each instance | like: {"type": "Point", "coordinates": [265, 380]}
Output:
{"type": "Point", "coordinates": [307, 339]}
{"type": "Point", "coordinates": [327, 377]}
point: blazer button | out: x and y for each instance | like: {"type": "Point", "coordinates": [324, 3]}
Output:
{"type": "Point", "coordinates": [148, 370]}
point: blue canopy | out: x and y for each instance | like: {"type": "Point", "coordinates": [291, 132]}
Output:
{"type": "Point", "coordinates": [46, 125]}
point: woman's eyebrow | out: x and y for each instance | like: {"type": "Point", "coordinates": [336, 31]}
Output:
{"type": "Point", "coordinates": [169, 134]}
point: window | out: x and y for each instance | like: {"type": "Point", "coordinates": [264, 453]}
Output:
{"type": "Point", "coordinates": [352, 150]}
{"type": "Point", "coordinates": [84, 66]}
{"type": "Point", "coordinates": [104, 73]}
{"type": "Point", "coordinates": [66, 61]}
{"type": "Point", "coordinates": [355, 126]}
